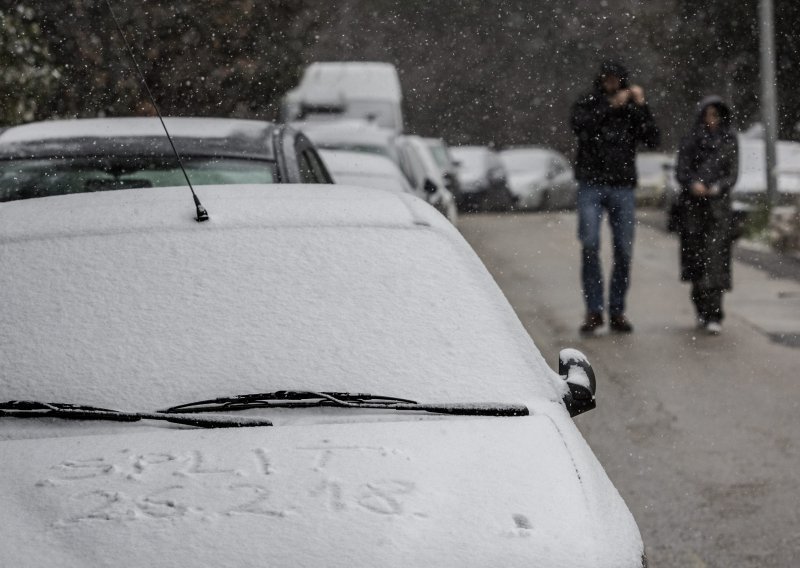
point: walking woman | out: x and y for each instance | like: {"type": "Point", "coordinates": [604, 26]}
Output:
{"type": "Point", "coordinates": [707, 169]}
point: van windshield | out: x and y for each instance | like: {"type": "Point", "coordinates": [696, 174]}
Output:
{"type": "Point", "coordinates": [381, 113]}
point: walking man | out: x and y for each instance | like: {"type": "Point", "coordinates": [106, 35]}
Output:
{"type": "Point", "coordinates": [609, 122]}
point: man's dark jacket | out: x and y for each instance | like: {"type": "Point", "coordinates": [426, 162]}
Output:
{"type": "Point", "coordinates": [607, 137]}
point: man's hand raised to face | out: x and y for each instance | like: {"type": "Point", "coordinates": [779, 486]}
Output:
{"type": "Point", "coordinates": [637, 94]}
{"type": "Point", "coordinates": [620, 98]}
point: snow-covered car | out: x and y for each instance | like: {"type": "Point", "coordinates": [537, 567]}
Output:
{"type": "Point", "coordinates": [416, 160]}
{"type": "Point", "coordinates": [317, 376]}
{"type": "Point", "coordinates": [482, 178]}
{"type": "Point", "coordinates": [86, 155]}
{"type": "Point", "coordinates": [540, 177]}
{"type": "Point", "coordinates": [410, 153]}
{"type": "Point", "coordinates": [365, 170]}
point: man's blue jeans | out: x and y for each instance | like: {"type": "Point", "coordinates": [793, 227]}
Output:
{"type": "Point", "coordinates": [620, 204]}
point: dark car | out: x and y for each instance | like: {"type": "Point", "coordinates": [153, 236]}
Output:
{"type": "Point", "coordinates": [540, 177]}
{"type": "Point", "coordinates": [85, 155]}
{"type": "Point", "coordinates": [483, 180]}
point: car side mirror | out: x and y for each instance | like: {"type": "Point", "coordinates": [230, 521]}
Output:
{"type": "Point", "coordinates": [429, 186]}
{"type": "Point", "coordinates": [574, 368]}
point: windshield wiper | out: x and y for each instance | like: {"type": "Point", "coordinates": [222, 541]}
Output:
{"type": "Point", "coordinates": [33, 409]}
{"type": "Point", "coordinates": [304, 399]}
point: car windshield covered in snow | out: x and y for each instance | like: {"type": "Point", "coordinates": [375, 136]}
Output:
{"type": "Point", "coordinates": [326, 304]}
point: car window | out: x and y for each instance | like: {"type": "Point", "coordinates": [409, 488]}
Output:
{"type": "Point", "coordinates": [354, 147]}
{"type": "Point", "coordinates": [439, 153]}
{"type": "Point", "coordinates": [363, 283]}
{"type": "Point", "coordinates": [411, 166]}
{"type": "Point", "coordinates": [311, 168]}
{"type": "Point", "coordinates": [22, 179]}
{"type": "Point", "coordinates": [380, 113]}
{"type": "Point", "coordinates": [472, 161]}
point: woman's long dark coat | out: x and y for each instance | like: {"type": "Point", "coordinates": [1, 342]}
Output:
{"type": "Point", "coordinates": [710, 157]}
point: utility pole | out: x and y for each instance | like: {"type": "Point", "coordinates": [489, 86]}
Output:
{"type": "Point", "coordinates": [769, 112]}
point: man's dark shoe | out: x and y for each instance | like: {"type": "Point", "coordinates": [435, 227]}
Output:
{"type": "Point", "coordinates": [593, 321]}
{"type": "Point", "coordinates": [620, 324]}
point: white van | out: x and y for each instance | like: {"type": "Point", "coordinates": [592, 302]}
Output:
{"type": "Point", "coordinates": [347, 89]}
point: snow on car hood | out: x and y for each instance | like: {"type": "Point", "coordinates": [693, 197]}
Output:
{"type": "Point", "coordinates": [429, 492]}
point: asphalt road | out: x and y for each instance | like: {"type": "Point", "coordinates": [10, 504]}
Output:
{"type": "Point", "coordinates": [700, 434]}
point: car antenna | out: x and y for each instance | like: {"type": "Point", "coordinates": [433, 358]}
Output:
{"type": "Point", "coordinates": [202, 214]}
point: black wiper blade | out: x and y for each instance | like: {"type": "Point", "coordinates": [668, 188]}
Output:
{"type": "Point", "coordinates": [470, 408]}
{"type": "Point", "coordinates": [34, 409]}
{"type": "Point", "coordinates": [285, 399]}
{"type": "Point", "coordinates": [304, 399]}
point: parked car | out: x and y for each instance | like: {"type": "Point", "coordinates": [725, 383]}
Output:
{"type": "Point", "coordinates": [321, 375]}
{"type": "Point", "coordinates": [351, 136]}
{"type": "Point", "coordinates": [333, 90]}
{"type": "Point", "coordinates": [365, 170]}
{"type": "Point", "coordinates": [408, 152]}
{"type": "Point", "coordinates": [419, 165]}
{"type": "Point", "coordinates": [654, 170]}
{"type": "Point", "coordinates": [441, 153]}
{"type": "Point", "coordinates": [541, 178]}
{"type": "Point", "coordinates": [483, 179]}
{"type": "Point", "coordinates": [86, 155]}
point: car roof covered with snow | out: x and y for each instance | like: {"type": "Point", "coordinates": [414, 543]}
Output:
{"type": "Point", "coordinates": [349, 134]}
{"type": "Point", "coordinates": [359, 162]}
{"type": "Point", "coordinates": [365, 169]}
{"type": "Point", "coordinates": [139, 135]}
